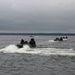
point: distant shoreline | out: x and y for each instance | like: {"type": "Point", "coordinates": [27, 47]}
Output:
{"type": "Point", "coordinates": [41, 34]}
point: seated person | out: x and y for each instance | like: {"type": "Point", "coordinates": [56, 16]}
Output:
{"type": "Point", "coordinates": [32, 43]}
{"type": "Point", "coordinates": [61, 39]}
{"type": "Point", "coordinates": [22, 41]}
{"type": "Point", "coordinates": [57, 39]}
{"type": "Point", "coordinates": [26, 42]}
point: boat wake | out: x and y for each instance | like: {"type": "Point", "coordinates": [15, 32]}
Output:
{"type": "Point", "coordinates": [39, 51]}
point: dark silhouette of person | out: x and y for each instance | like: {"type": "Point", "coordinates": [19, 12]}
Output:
{"type": "Point", "coordinates": [26, 42]}
{"type": "Point", "coordinates": [66, 37]}
{"type": "Point", "coordinates": [22, 41]}
{"type": "Point", "coordinates": [56, 39]}
{"type": "Point", "coordinates": [61, 39]}
{"type": "Point", "coordinates": [32, 43]}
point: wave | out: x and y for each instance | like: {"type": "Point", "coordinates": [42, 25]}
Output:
{"type": "Point", "coordinates": [14, 49]}
{"type": "Point", "coordinates": [40, 51]}
{"type": "Point", "coordinates": [52, 41]}
{"type": "Point", "coordinates": [65, 39]}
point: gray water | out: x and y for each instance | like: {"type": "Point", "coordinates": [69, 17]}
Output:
{"type": "Point", "coordinates": [36, 64]}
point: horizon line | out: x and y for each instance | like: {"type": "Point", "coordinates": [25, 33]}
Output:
{"type": "Point", "coordinates": [54, 34]}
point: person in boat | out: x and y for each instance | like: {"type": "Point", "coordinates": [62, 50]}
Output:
{"type": "Point", "coordinates": [56, 39]}
{"type": "Point", "coordinates": [66, 37]}
{"type": "Point", "coordinates": [22, 41]}
{"type": "Point", "coordinates": [61, 39]}
{"type": "Point", "coordinates": [21, 44]}
{"type": "Point", "coordinates": [32, 43]}
{"type": "Point", "coordinates": [26, 42]}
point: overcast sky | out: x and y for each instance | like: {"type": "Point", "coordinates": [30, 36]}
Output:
{"type": "Point", "coordinates": [37, 15]}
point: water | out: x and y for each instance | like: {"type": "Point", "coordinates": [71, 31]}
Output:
{"type": "Point", "coordinates": [48, 58]}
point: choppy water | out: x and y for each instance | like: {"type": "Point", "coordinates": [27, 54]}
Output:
{"type": "Point", "coordinates": [49, 58]}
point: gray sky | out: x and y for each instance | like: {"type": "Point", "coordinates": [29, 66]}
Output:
{"type": "Point", "coordinates": [37, 15]}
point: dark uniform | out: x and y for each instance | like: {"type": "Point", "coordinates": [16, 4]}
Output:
{"type": "Point", "coordinates": [22, 41]}
{"type": "Point", "coordinates": [32, 43]}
